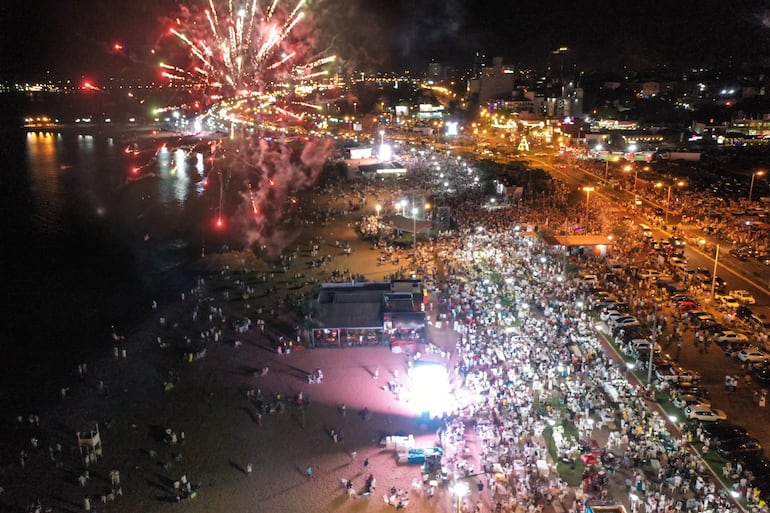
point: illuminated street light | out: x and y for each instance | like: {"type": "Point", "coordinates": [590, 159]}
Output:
{"type": "Point", "coordinates": [668, 196]}
{"type": "Point", "coordinates": [607, 166]}
{"type": "Point", "coordinates": [753, 176]}
{"type": "Point", "coordinates": [629, 168]}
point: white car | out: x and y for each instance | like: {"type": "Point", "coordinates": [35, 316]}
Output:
{"type": "Point", "coordinates": [648, 274]}
{"type": "Point", "coordinates": [627, 321]}
{"type": "Point", "coordinates": [639, 345]}
{"type": "Point", "coordinates": [744, 296]}
{"type": "Point", "coordinates": [728, 336]}
{"type": "Point", "coordinates": [730, 301]}
{"type": "Point", "coordinates": [679, 263]}
{"type": "Point", "coordinates": [704, 413]}
{"type": "Point", "coordinates": [615, 317]}
{"type": "Point", "coordinates": [753, 355]}
{"type": "Point", "coordinates": [607, 314]}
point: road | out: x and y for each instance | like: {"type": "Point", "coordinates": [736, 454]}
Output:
{"type": "Point", "coordinates": [710, 361]}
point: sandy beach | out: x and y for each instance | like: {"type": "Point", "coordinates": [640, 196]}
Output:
{"type": "Point", "coordinates": [234, 458]}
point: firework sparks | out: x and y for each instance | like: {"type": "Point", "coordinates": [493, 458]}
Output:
{"type": "Point", "coordinates": [239, 44]}
{"type": "Point", "coordinates": [247, 50]}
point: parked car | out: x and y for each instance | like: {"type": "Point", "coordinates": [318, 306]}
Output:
{"type": "Point", "coordinates": [739, 447]}
{"type": "Point", "coordinates": [688, 388]}
{"type": "Point", "coordinates": [740, 254]}
{"type": "Point", "coordinates": [605, 315]}
{"type": "Point", "coordinates": [720, 431]}
{"type": "Point", "coordinates": [730, 301]}
{"type": "Point", "coordinates": [627, 333]}
{"type": "Point", "coordinates": [617, 320]}
{"type": "Point", "coordinates": [759, 322]}
{"type": "Point", "coordinates": [713, 327]}
{"type": "Point", "coordinates": [704, 273]}
{"type": "Point", "coordinates": [682, 401]}
{"type": "Point", "coordinates": [753, 355]}
{"type": "Point", "coordinates": [704, 414]}
{"type": "Point", "coordinates": [662, 359]}
{"type": "Point", "coordinates": [701, 319]}
{"type": "Point", "coordinates": [678, 263]}
{"type": "Point", "coordinates": [621, 306]}
{"type": "Point", "coordinates": [729, 337]}
{"type": "Point", "coordinates": [648, 274]}
{"type": "Point", "coordinates": [628, 321]}
{"type": "Point", "coordinates": [665, 372]}
{"type": "Point", "coordinates": [687, 376]}
{"type": "Point", "coordinates": [744, 296]}
{"type": "Point", "coordinates": [677, 241]}
{"type": "Point", "coordinates": [687, 305]}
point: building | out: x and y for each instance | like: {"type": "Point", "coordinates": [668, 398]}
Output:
{"type": "Point", "coordinates": [359, 314]}
{"type": "Point", "coordinates": [493, 83]}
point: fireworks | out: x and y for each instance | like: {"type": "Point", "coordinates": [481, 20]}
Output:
{"type": "Point", "coordinates": [253, 61]}
{"type": "Point", "coordinates": [241, 46]}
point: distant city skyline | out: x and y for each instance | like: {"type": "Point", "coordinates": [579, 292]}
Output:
{"type": "Point", "coordinates": [77, 37]}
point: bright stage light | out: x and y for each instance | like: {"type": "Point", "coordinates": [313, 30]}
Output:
{"type": "Point", "coordinates": [430, 391]}
{"type": "Point", "coordinates": [386, 152]}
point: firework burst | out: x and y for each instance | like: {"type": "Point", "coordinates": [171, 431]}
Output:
{"type": "Point", "coordinates": [241, 46]}
{"type": "Point", "coordinates": [254, 59]}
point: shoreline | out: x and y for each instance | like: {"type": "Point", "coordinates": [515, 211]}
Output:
{"type": "Point", "coordinates": [127, 397]}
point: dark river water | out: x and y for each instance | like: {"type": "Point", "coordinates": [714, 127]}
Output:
{"type": "Point", "coordinates": [87, 243]}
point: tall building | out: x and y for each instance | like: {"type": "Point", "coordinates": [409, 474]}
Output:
{"type": "Point", "coordinates": [493, 82]}
{"type": "Point", "coordinates": [436, 72]}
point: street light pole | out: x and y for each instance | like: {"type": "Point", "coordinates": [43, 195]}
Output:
{"type": "Point", "coordinates": [414, 231]}
{"type": "Point", "coordinates": [753, 176]}
{"type": "Point", "coordinates": [588, 191]}
{"type": "Point", "coordinates": [714, 275]}
{"type": "Point", "coordinates": [668, 200]}
{"type": "Point", "coordinates": [636, 174]}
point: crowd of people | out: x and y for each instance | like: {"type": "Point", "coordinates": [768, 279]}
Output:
{"type": "Point", "coordinates": [533, 380]}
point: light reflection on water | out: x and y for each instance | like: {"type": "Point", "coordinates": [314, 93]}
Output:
{"type": "Point", "coordinates": [83, 172]}
{"type": "Point", "coordinates": [45, 173]}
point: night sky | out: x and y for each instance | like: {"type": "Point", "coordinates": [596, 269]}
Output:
{"type": "Point", "coordinates": [75, 37]}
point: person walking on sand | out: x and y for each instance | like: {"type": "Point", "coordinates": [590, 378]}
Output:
{"type": "Point", "coordinates": [376, 372]}
{"type": "Point", "coordinates": [309, 471]}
